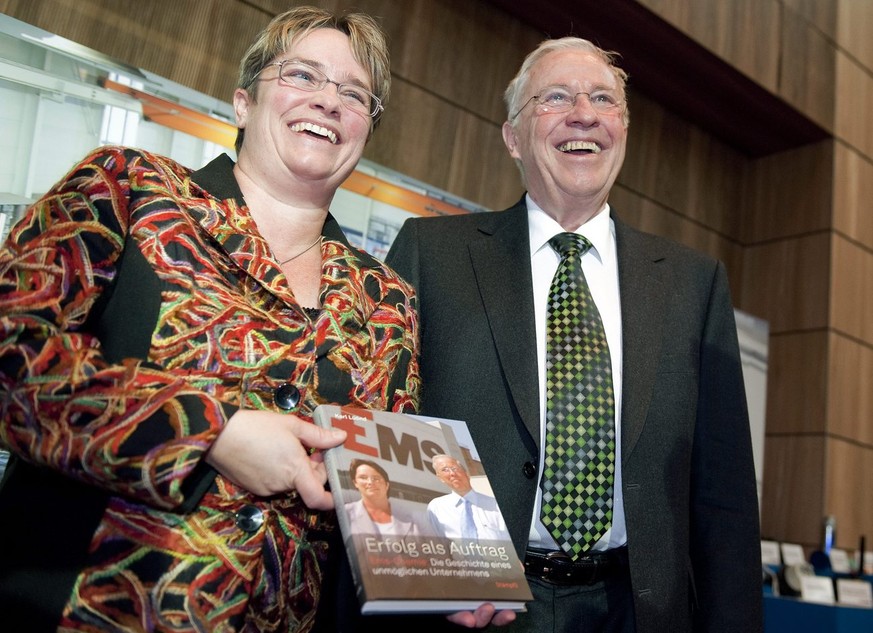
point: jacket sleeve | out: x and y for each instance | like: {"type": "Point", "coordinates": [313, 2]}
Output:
{"type": "Point", "coordinates": [131, 427]}
{"type": "Point", "coordinates": [407, 396]}
{"type": "Point", "coordinates": [725, 537]}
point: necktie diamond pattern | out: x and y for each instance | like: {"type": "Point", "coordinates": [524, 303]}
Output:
{"type": "Point", "coordinates": [579, 468]}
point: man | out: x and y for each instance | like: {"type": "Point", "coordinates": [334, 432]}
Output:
{"type": "Point", "coordinates": [464, 512]}
{"type": "Point", "coordinates": [673, 543]}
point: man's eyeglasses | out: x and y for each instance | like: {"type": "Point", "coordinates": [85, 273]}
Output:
{"type": "Point", "coordinates": [560, 99]}
{"type": "Point", "coordinates": [302, 76]}
{"type": "Point", "coordinates": [445, 470]}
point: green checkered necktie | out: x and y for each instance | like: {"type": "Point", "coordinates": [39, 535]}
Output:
{"type": "Point", "coordinates": [579, 468]}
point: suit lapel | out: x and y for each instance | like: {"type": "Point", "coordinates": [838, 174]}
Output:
{"type": "Point", "coordinates": [501, 263]}
{"type": "Point", "coordinates": [644, 291]}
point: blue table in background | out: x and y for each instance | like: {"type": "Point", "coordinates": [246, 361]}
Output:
{"type": "Point", "coordinates": [791, 615]}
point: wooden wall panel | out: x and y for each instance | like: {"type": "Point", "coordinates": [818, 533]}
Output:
{"type": "Point", "coordinates": [743, 32]}
{"type": "Point", "coordinates": [797, 383]}
{"type": "Point", "coordinates": [820, 13]}
{"type": "Point", "coordinates": [427, 138]}
{"type": "Point", "coordinates": [788, 194]}
{"type": "Point", "coordinates": [854, 125]}
{"type": "Point", "coordinates": [849, 476]}
{"type": "Point", "coordinates": [855, 30]}
{"type": "Point", "coordinates": [783, 50]}
{"type": "Point", "coordinates": [786, 283]}
{"type": "Point", "coordinates": [412, 136]}
{"type": "Point", "coordinates": [443, 122]}
{"type": "Point", "coordinates": [676, 12]}
{"type": "Point", "coordinates": [853, 175]}
{"type": "Point", "coordinates": [275, 7]}
{"type": "Point", "coordinates": [647, 215]}
{"type": "Point", "coordinates": [852, 290]}
{"type": "Point", "coordinates": [850, 402]}
{"type": "Point", "coordinates": [447, 47]}
{"type": "Point", "coordinates": [806, 74]}
{"type": "Point", "coordinates": [480, 164]}
{"type": "Point", "coordinates": [740, 31]}
{"type": "Point", "coordinates": [661, 146]}
{"type": "Point", "coordinates": [793, 499]}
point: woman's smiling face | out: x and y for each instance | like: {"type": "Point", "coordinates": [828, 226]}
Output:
{"type": "Point", "coordinates": [305, 136]}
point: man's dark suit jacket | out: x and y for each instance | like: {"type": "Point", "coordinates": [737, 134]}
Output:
{"type": "Point", "coordinates": [687, 466]}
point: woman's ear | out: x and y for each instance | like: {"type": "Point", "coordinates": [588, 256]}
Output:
{"type": "Point", "coordinates": [241, 102]}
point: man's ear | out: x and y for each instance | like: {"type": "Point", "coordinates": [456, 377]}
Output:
{"type": "Point", "coordinates": [510, 139]}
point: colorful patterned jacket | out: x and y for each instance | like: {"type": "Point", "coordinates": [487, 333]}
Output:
{"type": "Point", "coordinates": [139, 309]}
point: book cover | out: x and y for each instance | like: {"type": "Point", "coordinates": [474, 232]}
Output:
{"type": "Point", "coordinates": [422, 529]}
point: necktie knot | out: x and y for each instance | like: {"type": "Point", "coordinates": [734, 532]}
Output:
{"type": "Point", "coordinates": [569, 244]}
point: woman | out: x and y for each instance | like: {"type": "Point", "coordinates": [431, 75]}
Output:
{"type": "Point", "coordinates": [166, 335]}
{"type": "Point", "coordinates": [372, 513]}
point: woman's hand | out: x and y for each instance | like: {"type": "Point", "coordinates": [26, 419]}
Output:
{"type": "Point", "coordinates": [267, 453]}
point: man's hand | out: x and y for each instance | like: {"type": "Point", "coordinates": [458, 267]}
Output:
{"type": "Point", "coordinates": [267, 453]}
{"type": "Point", "coordinates": [482, 617]}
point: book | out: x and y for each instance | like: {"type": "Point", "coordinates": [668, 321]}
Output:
{"type": "Point", "coordinates": [415, 544]}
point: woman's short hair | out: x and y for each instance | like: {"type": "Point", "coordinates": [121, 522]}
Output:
{"type": "Point", "coordinates": [368, 42]}
{"type": "Point", "coordinates": [357, 463]}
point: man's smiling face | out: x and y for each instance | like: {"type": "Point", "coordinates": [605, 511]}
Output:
{"type": "Point", "coordinates": [575, 154]}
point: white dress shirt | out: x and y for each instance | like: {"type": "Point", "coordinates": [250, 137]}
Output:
{"type": "Point", "coordinates": [446, 516]}
{"type": "Point", "coordinates": [600, 265]}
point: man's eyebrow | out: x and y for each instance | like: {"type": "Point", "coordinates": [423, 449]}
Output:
{"type": "Point", "coordinates": [594, 87]}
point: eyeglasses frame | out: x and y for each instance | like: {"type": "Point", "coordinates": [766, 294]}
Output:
{"type": "Point", "coordinates": [618, 109]}
{"type": "Point", "coordinates": [376, 109]}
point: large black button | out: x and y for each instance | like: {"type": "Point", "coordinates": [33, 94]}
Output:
{"type": "Point", "coordinates": [529, 470]}
{"type": "Point", "coordinates": [249, 518]}
{"type": "Point", "coordinates": [286, 396]}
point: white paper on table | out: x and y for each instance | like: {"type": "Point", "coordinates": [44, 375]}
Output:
{"type": "Point", "coordinates": [855, 593]}
{"type": "Point", "coordinates": [770, 553]}
{"type": "Point", "coordinates": [840, 561]}
{"type": "Point", "coordinates": [817, 589]}
{"type": "Point", "coordinates": [792, 554]}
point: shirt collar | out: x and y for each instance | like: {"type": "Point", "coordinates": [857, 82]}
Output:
{"type": "Point", "coordinates": [542, 228]}
{"type": "Point", "coordinates": [217, 178]}
{"type": "Point", "coordinates": [458, 498]}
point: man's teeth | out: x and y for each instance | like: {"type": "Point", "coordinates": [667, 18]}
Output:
{"type": "Point", "coordinates": [315, 129]}
{"type": "Point", "coordinates": [587, 146]}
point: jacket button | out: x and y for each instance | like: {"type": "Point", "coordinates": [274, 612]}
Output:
{"type": "Point", "coordinates": [529, 470]}
{"type": "Point", "coordinates": [286, 396]}
{"type": "Point", "coordinates": [249, 518]}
